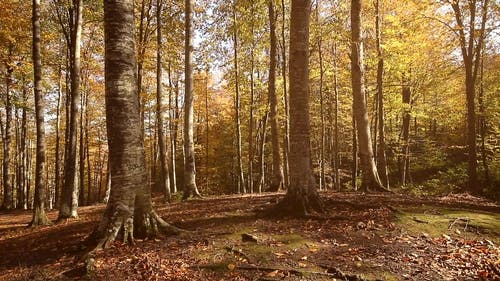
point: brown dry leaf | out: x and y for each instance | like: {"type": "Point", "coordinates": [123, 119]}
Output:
{"type": "Point", "coordinates": [272, 273]}
{"type": "Point", "coordinates": [301, 264]}
{"type": "Point", "coordinates": [231, 266]}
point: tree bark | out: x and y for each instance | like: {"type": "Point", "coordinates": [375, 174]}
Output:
{"type": "Point", "coordinates": [404, 163]}
{"type": "Point", "coordinates": [129, 204]}
{"type": "Point", "coordinates": [277, 179]}
{"type": "Point", "coordinates": [471, 47]}
{"type": "Point", "coordinates": [8, 198]}
{"type": "Point", "coordinates": [69, 196]}
{"type": "Point", "coordinates": [164, 176]}
{"type": "Point", "coordinates": [190, 187]}
{"type": "Point", "coordinates": [336, 155]}
{"type": "Point", "coordinates": [39, 216]}
{"type": "Point", "coordinates": [286, 139]}
{"type": "Point", "coordinates": [241, 178]}
{"type": "Point", "coordinates": [381, 156]}
{"type": "Point", "coordinates": [370, 179]}
{"type": "Point", "coordinates": [301, 197]}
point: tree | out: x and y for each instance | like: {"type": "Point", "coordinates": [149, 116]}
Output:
{"type": "Point", "coordinates": [69, 196]}
{"type": "Point", "coordinates": [381, 156]}
{"type": "Point", "coordinates": [301, 197]}
{"type": "Point", "coordinates": [370, 178]}
{"type": "Point", "coordinates": [164, 176]}
{"type": "Point", "coordinates": [39, 216]}
{"type": "Point", "coordinates": [277, 179]}
{"type": "Point", "coordinates": [129, 206]}
{"type": "Point", "coordinates": [190, 187]}
{"type": "Point", "coordinates": [471, 45]}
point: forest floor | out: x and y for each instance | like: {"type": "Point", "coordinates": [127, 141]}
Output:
{"type": "Point", "coordinates": [360, 237]}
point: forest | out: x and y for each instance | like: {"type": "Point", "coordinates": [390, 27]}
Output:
{"type": "Point", "coordinates": [250, 140]}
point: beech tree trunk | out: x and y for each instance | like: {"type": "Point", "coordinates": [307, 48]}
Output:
{"type": "Point", "coordinates": [277, 178]}
{"type": "Point", "coordinates": [241, 178]}
{"type": "Point", "coordinates": [286, 139]}
{"type": "Point", "coordinates": [381, 156]}
{"type": "Point", "coordinates": [69, 196]}
{"type": "Point", "coordinates": [8, 197]}
{"type": "Point", "coordinates": [162, 144]}
{"type": "Point", "coordinates": [190, 187]}
{"type": "Point", "coordinates": [129, 204]}
{"type": "Point", "coordinates": [404, 162]}
{"type": "Point", "coordinates": [370, 179]}
{"type": "Point", "coordinates": [336, 155]}
{"type": "Point", "coordinates": [39, 216]}
{"type": "Point", "coordinates": [301, 197]}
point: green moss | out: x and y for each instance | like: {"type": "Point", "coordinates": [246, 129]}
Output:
{"type": "Point", "coordinates": [419, 220]}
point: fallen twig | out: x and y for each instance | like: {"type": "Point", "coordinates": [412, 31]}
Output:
{"type": "Point", "coordinates": [465, 219]}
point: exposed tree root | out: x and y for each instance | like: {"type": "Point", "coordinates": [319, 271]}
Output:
{"type": "Point", "coordinates": [297, 205]}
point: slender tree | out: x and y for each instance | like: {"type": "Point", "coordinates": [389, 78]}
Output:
{"type": "Point", "coordinates": [162, 144]}
{"type": "Point", "coordinates": [277, 178]}
{"type": "Point", "coordinates": [471, 38]}
{"type": "Point", "coordinates": [190, 187]}
{"type": "Point", "coordinates": [39, 216]}
{"type": "Point", "coordinates": [69, 196]}
{"type": "Point", "coordinates": [381, 156]}
{"type": "Point", "coordinates": [241, 178]}
{"type": "Point", "coordinates": [370, 179]}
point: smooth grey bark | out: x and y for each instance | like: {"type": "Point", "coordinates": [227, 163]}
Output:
{"type": "Point", "coordinates": [69, 197]}
{"type": "Point", "coordinates": [404, 161]}
{"type": "Point", "coordinates": [173, 133]}
{"type": "Point", "coordinates": [286, 139]}
{"type": "Point", "coordinates": [190, 187]}
{"type": "Point", "coordinates": [301, 197]}
{"type": "Point", "coordinates": [336, 156]}
{"type": "Point", "coordinates": [8, 198]}
{"type": "Point", "coordinates": [251, 120]}
{"type": "Point", "coordinates": [322, 157]}
{"type": "Point", "coordinates": [277, 178]}
{"type": "Point", "coordinates": [129, 206]}
{"type": "Point", "coordinates": [162, 143]}
{"type": "Point", "coordinates": [381, 155]}
{"type": "Point", "coordinates": [241, 178]}
{"type": "Point", "coordinates": [370, 177]}
{"type": "Point", "coordinates": [39, 216]}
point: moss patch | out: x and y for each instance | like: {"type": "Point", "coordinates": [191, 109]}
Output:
{"type": "Point", "coordinates": [460, 222]}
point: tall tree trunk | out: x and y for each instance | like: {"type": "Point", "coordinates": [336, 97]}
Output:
{"type": "Point", "coordinates": [336, 155]}
{"type": "Point", "coordinates": [262, 145]}
{"type": "Point", "coordinates": [164, 176]}
{"type": "Point", "coordinates": [129, 206]}
{"type": "Point", "coordinates": [22, 186]}
{"type": "Point", "coordinates": [241, 178]}
{"type": "Point", "coordinates": [57, 168]}
{"type": "Point", "coordinates": [301, 197]}
{"type": "Point", "coordinates": [483, 126]}
{"type": "Point", "coordinates": [69, 196]}
{"type": "Point", "coordinates": [8, 198]}
{"type": "Point", "coordinates": [144, 32]}
{"type": "Point", "coordinates": [173, 132]}
{"type": "Point", "coordinates": [190, 187]}
{"type": "Point", "coordinates": [286, 140]}
{"type": "Point", "coordinates": [39, 216]}
{"type": "Point", "coordinates": [81, 154]}
{"type": "Point", "coordinates": [381, 156]}
{"type": "Point", "coordinates": [277, 178]}
{"type": "Point", "coordinates": [471, 51]}
{"type": "Point", "coordinates": [370, 179]}
{"type": "Point", "coordinates": [252, 105]}
{"type": "Point", "coordinates": [404, 163]}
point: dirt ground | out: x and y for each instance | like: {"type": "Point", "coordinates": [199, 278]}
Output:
{"type": "Point", "coordinates": [360, 237]}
